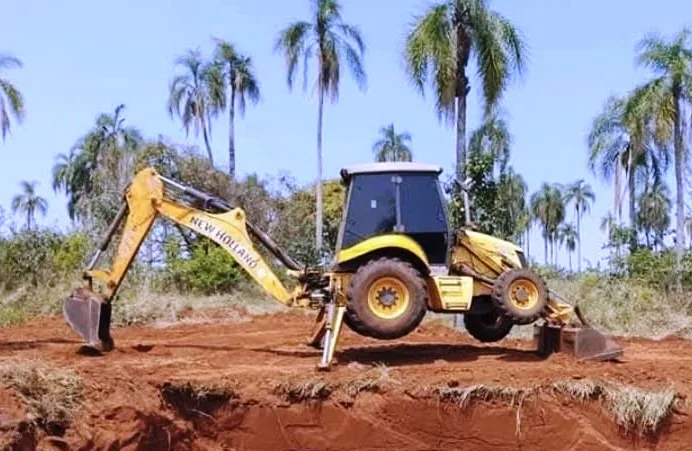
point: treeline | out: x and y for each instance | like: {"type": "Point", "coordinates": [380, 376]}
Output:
{"type": "Point", "coordinates": [631, 144]}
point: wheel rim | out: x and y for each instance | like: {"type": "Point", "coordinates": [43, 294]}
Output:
{"type": "Point", "coordinates": [388, 297]}
{"type": "Point", "coordinates": [523, 294]}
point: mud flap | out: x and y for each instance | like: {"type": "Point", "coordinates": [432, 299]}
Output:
{"type": "Point", "coordinates": [584, 343]}
{"type": "Point", "coordinates": [89, 316]}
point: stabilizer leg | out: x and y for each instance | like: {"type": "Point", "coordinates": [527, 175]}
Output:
{"type": "Point", "coordinates": [334, 321]}
{"type": "Point", "coordinates": [319, 330]}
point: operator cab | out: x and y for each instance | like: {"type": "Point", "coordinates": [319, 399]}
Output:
{"type": "Point", "coordinates": [396, 197]}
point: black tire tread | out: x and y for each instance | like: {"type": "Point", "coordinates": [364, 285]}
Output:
{"type": "Point", "coordinates": [500, 288]}
{"type": "Point", "coordinates": [357, 325]}
{"type": "Point", "coordinates": [477, 329]}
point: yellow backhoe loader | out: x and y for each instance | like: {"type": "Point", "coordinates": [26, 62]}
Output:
{"type": "Point", "coordinates": [396, 259]}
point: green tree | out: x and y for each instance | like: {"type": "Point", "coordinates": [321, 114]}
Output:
{"type": "Point", "coordinates": [241, 81]}
{"type": "Point", "coordinates": [582, 196]}
{"type": "Point", "coordinates": [512, 208]}
{"type": "Point", "coordinates": [98, 167]}
{"type": "Point", "coordinates": [28, 202]}
{"type": "Point", "coordinates": [569, 236]}
{"type": "Point", "coordinates": [671, 61]}
{"type": "Point", "coordinates": [493, 138]}
{"type": "Point", "coordinates": [548, 207]}
{"type": "Point", "coordinates": [627, 136]}
{"type": "Point", "coordinates": [197, 95]}
{"type": "Point", "coordinates": [330, 40]}
{"type": "Point", "coordinates": [653, 216]}
{"type": "Point", "coordinates": [392, 146]}
{"type": "Point", "coordinates": [439, 47]}
{"type": "Point", "coordinates": [11, 100]}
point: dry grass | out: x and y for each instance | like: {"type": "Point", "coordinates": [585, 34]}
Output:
{"type": "Point", "coordinates": [51, 393]}
{"type": "Point", "coordinates": [304, 390]}
{"type": "Point", "coordinates": [465, 396]}
{"type": "Point", "coordinates": [372, 380]}
{"type": "Point", "coordinates": [632, 408]}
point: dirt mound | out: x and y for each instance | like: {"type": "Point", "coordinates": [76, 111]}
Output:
{"type": "Point", "coordinates": [254, 385]}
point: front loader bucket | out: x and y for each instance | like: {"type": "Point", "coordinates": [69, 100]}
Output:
{"type": "Point", "coordinates": [584, 343]}
{"type": "Point", "coordinates": [89, 316]}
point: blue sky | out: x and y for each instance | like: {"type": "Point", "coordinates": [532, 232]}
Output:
{"type": "Point", "coordinates": [83, 57]}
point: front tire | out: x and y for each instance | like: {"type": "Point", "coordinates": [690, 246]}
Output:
{"type": "Point", "coordinates": [387, 299]}
{"type": "Point", "coordinates": [520, 295]}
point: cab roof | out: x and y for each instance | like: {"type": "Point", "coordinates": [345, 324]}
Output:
{"type": "Point", "coordinates": [398, 166]}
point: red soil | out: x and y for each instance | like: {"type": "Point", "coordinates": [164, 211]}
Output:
{"type": "Point", "coordinates": [129, 405]}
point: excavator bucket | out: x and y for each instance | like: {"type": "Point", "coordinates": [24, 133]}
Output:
{"type": "Point", "coordinates": [584, 343]}
{"type": "Point", "coordinates": [89, 316]}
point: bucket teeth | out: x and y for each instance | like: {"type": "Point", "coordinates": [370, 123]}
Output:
{"type": "Point", "coordinates": [82, 311]}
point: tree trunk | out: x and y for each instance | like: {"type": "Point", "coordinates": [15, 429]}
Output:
{"type": "Point", "coordinates": [631, 185]}
{"type": "Point", "coordinates": [552, 251]}
{"type": "Point", "coordinates": [528, 245]}
{"type": "Point", "coordinates": [545, 249]}
{"type": "Point", "coordinates": [679, 159]}
{"type": "Point", "coordinates": [617, 209]}
{"type": "Point", "coordinates": [206, 142]}
{"type": "Point", "coordinates": [569, 253]}
{"type": "Point", "coordinates": [231, 134]}
{"type": "Point", "coordinates": [461, 138]}
{"type": "Point", "coordinates": [578, 242]}
{"type": "Point", "coordinates": [318, 187]}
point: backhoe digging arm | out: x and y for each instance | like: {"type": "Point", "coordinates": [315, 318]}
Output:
{"type": "Point", "coordinates": [149, 196]}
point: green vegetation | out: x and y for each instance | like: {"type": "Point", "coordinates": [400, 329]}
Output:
{"type": "Point", "coordinates": [631, 144]}
{"type": "Point", "coordinates": [11, 99]}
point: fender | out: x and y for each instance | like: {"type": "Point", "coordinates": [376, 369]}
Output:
{"type": "Point", "coordinates": [380, 242]}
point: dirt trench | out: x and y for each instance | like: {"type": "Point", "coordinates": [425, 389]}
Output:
{"type": "Point", "coordinates": [253, 385]}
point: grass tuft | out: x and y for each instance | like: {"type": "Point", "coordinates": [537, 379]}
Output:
{"type": "Point", "coordinates": [637, 409]}
{"type": "Point", "coordinates": [465, 396]}
{"type": "Point", "coordinates": [370, 381]}
{"type": "Point", "coordinates": [305, 390]}
{"type": "Point", "coordinates": [52, 394]}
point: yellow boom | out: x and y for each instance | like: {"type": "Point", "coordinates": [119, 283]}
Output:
{"type": "Point", "coordinates": [88, 309]}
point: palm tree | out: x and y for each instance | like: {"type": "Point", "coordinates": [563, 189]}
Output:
{"type": "Point", "coordinates": [653, 217]}
{"type": "Point", "coordinates": [627, 136]}
{"type": "Point", "coordinates": [581, 194]}
{"type": "Point", "coordinates": [547, 206]}
{"type": "Point", "coordinates": [512, 191]}
{"type": "Point", "coordinates": [569, 235]}
{"type": "Point", "coordinates": [27, 202]}
{"type": "Point", "coordinates": [100, 161]}
{"type": "Point", "coordinates": [392, 146]}
{"type": "Point", "coordinates": [197, 95]}
{"type": "Point", "coordinates": [492, 138]}
{"type": "Point", "coordinates": [671, 61]}
{"type": "Point", "coordinates": [239, 74]}
{"type": "Point", "coordinates": [439, 47]}
{"type": "Point", "coordinates": [10, 97]}
{"type": "Point", "coordinates": [331, 41]}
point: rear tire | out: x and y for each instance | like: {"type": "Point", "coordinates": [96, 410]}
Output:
{"type": "Point", "coordinates": [488, 327]}
{"type": "Point", "coordinates": [387, 299]}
